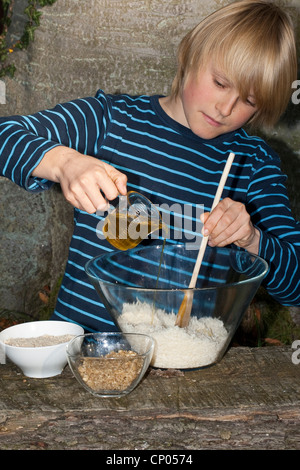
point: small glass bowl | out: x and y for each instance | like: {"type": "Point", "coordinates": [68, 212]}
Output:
{"type": "Point", "coordinates": [110, 364]}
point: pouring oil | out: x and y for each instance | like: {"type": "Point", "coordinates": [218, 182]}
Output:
{"type": "Point", "coordinates": [125, 232]}
{"type": "Point", "coordinates": [157, 279]}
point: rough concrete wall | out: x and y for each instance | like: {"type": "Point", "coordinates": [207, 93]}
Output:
{"type": "Point", "coordinates": [82, 45]}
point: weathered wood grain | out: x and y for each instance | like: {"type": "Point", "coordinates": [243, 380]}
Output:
{"type": "Point", "coordinates": [250, 400]}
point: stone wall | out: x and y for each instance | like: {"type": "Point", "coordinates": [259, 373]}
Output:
{"type": "Point", "coordinates": [82, 45]}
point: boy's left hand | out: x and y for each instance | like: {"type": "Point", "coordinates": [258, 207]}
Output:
{"type": "Point", "coordinates": [228, 223]}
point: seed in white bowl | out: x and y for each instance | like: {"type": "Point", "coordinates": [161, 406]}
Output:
{"type": "Point", "coordinates": [38, 341]}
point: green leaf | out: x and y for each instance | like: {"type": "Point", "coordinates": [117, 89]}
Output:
{"type": "Point", "coordinates": [27, 36]}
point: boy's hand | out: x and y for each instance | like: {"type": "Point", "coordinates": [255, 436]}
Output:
{"type": "Point", "coordinates": [87, 183]}
{"type": "Point", "coordinates": [230, 223]}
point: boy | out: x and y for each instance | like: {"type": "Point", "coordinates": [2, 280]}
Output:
{"type": "Point", "coordinates": [235, 67]}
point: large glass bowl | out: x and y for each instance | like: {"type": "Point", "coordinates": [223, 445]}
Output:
{"type": "Point", "coordinates": [143, 289]}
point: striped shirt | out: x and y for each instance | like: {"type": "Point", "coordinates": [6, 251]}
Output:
{"type": "Point", "coordinates": [174, 168]}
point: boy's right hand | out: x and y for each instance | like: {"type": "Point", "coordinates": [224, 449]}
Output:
{"type": "Point", "coordinates": [87, 183]}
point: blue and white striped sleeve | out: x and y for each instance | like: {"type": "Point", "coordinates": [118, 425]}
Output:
{"type": "Point", "coordinates": [280, 233]}
{"type": "Point", "coordinates": [21, 150]}
{"type": "Point", "coordinates": [24, 140]}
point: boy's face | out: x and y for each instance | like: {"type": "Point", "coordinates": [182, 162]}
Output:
{"type": "Point", "coordinates": [211, 104]}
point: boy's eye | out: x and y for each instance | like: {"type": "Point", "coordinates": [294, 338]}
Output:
{"type": "Point", "coordinates": [218, 83]}
{"type": "Point", "coordinates": [251, 103]}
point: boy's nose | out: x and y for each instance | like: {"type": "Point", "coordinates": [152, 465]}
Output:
{"type": "Point", "coordinates": [226, 105]}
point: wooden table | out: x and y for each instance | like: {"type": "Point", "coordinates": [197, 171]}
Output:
{"type": "Point", "coordinates": [250, 400]}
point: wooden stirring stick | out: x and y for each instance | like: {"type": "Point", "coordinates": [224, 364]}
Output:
{"type": "Point", "coordinates": [184, 312]}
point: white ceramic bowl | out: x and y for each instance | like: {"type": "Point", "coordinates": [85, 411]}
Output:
{"type": "Point", "coordinates": [41, 361]}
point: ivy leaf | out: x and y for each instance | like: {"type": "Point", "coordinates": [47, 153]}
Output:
{"type": "Point", "coordinates": [33, 14]}
{"type": "Point", "coordinates": [7, 70]}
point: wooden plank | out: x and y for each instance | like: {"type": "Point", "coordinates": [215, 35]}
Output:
{"type": "Point", "coordinates": [249, 400]}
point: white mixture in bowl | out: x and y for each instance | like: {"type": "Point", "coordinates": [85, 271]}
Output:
{"type": "Point", "coordinates": [197, 345]}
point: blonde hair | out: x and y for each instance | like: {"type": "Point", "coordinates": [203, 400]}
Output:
{"type": "Point", "coordinates": [253, 43]}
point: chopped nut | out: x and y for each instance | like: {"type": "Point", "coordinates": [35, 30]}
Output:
{"type": "Point", "coordinates": [114, 371]}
